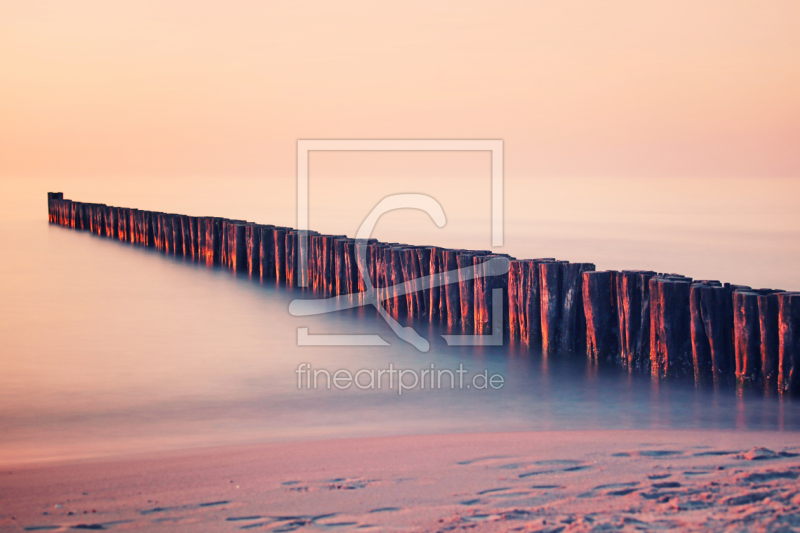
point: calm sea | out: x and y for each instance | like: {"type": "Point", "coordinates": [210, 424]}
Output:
{"type": "Point", "coordinates": [108, 348]}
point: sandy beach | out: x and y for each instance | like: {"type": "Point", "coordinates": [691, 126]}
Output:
{"type": "Point", "coordinates": [534, 481]}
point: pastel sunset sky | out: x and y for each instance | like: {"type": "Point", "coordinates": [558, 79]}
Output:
{"type": "Point", "coordinates": [575, 88]}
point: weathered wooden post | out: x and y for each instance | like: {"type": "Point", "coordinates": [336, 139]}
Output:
{"type": "Point", "coordinates": [108, 221]}
{"type": "Point", "coordinates": [711, 307]}
{"type": "Point", "coordinates": [573, 319]}
{"type": "Point", "coordinates": [789, 343]}
{"type": "Point", "coordinates": [238, 247]}
{"type": "Point", "coordinates": [149, 230]}
{"type": "Point", "coordinates": [633, 306]}
{"type": "Point", "coordinates": [362, 261]}
{"type": "Point", "coordinates": [132, 219]}
{"type": "Point", "coordinates": [280, 254]}
{"type": "Point", "coordinates": [129, 217]}
{"type": "Point", "coordinates": [397, 280]}
{"type": "Point", "coordinates": [410, 275]}
{"type": "Point", "coordinates": [385, 277]}
{"type": "Point", "coordinates": [600, 307]}
{"type": "Point", "coordinates": [435, 305]}
{"type": "Point", "coordinates": [290, 260]}
{"type": "Point", "coordinates": [253, 237]}
{"type": "Point", "coordinates": [315, 247]}
{"type": "Point", "coordinates": [747, 338]}
{"type": "Point", "coordinates": [186, 237]}
{"type": "Point", "coordinates": [466, 288]}
{"type": "Point", "coordinates": [80, 217]}
{"type": "Point", "coordinates": [517, 278]}
{"type": "Point", "coordinates": [488, 278]}
{"type": "Point", "coordinates": [419, 294]}
{"type": "Point", "coordinates": [330, 263]}
{"type": "Point", "coordinates": [550, 285]}
{"type": "Point", "coordinates": [340, 274]}
{"type": "Point", "coordinates": [350, 270]}
{"type": "Point", "coordinates": [163, 241]}
{"type": "Point", "coordinates": [159, 232]}
{"type": "Point", "coordinates": [424, 263]}
{"type": "Point", "coordinates": [89, 221]}
{"type": "Point", "coordinates": [670, 327]}
{"type": "Point", "coordinates": [214, 241]}
{"type": "Point", "coordinates": [451, 292]}
{"type": "Point", "coordinates": [768, 309]}
{"type": "Point", "coordinates": [531, 334]}
{"type": "Point", "coordinates": [266, 253]}
{"type": "Point", "coordinates": [137, 227]}
{"type": "Point", "coordinates": [51, 205]}
{"type": "Point", "coordinates": [378, 268]}
{"type": "Point", "coordinates": [177, 235]}
{"type": "Point", "coordinates": [481, 292]}
{"type": "Point", "coordinates": [194, 237]}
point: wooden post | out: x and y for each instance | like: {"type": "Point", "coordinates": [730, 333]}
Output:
{"type": "Point", "coordinates": [532, 304]}
{"type": "Point", "coordinates": [600, 306]}
{"type": "Point", "coordinates": [135, 233]}
{"type": "Point", "coordinates": [385, 276]}
{"type": "Point", "coordinates": [424, 263]}
{"type": "Point", "coordinates": [573, 319]}
{"type": "Point", "coordinates": [280, 255]}
{"type": "Point", "coordinates": [350, 270]}
{"type": "Point", "coordinates": [340, 274]}
{"type": "Point", "coordinates": [633, 307]}
{"type": "Point", "coordinates": [397, 254]}
{"type": "Point", "coordinates": [747, 338]}
{"type": "Point", "coordinates": [789, 343]}
{"type": "Point", "coordinates": [166, 233]}
{"type": "Point", "coordinates": [410, 269]}
{"type": "Point", "coordinates": [466, 289]}
{"type": "Point", "coordinates": [711, 307]}
{"type": "Point", "coordinates": [670, 328]}
{"type": "Point", "coordinates": [550, 286]}
{"type": "Point", "coordinates": [108, 221]}
{"type": "Point", "coordinates": [486, 280]}
{"type": "Point", "coordinates": [451, 292]}
{"type": "Point", "coordinates": [238, 247]}
{"type": "Point", "coordinates": [768, 307]}
{"type": "Point", "coordinates": [51, 205]}
{"type": "Point", "coordinates": [517, 278]}
{"type": "Point", "coordinates": [266, 254]}
{"type": "Point", "coordinates": [186, 237]}
{"type": "Point", "coordinates": [435, 305]}
{"type": "Point", "coordinates": [177, 235]}
{"type": "Point", "coordinates": [291, 250]}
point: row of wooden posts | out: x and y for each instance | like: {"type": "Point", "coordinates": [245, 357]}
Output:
{"type": "Point", "coordinates": [666, 324]}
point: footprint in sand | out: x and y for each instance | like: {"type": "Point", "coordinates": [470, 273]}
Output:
{"type": "Point", "coordinates": [714, 453]}
{"type": "Point", "coordinates": [385, 510]}
{"type": "Point", "coordinates": [764, 477]}
{"type": "Point", "coordinates": [482, 459]}
{"type": "Point", "coordinates": [612, 489]}
{"type": "Point", "coordinates": [577, 467]}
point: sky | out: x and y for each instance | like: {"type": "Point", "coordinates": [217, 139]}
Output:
{"type": "Point", "coordinates": [174, 88]}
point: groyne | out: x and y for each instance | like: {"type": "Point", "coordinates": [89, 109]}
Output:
{"type": "Point", "coordinates": [668, 325]}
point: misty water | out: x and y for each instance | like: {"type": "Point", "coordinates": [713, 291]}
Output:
{"type": "Point", "coordinates": [110, 348]}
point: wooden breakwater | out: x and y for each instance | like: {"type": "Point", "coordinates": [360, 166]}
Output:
{"type": "Point", "coordinates": [668, 325]}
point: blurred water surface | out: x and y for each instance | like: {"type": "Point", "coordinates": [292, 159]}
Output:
{"type": "Point", "coordinates": [108, 348]}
